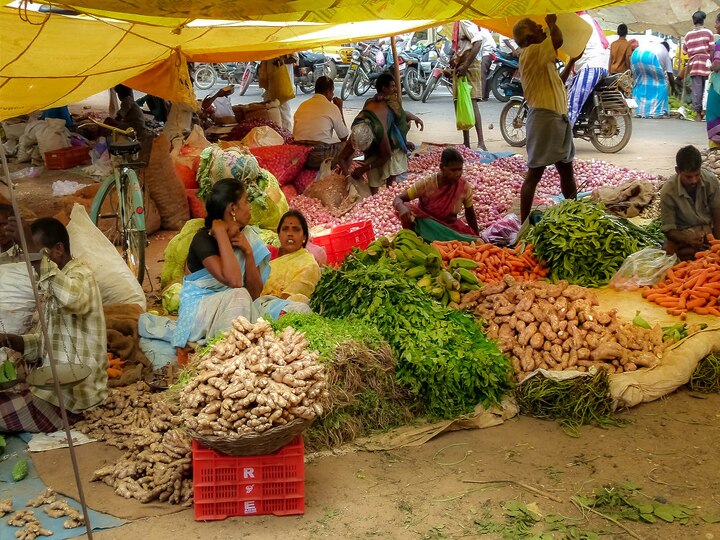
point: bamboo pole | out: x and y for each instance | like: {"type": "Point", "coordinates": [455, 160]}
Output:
{"type": "Point", "coordinates": [396, 68]}
{"type": "Point", "coordinates": [47, 342]}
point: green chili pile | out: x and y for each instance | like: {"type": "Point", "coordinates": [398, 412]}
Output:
{"type": "Point", "coordinates": [582, 244]}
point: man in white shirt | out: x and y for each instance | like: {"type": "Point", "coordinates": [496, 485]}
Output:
{"type": "Point", "coordinates": [487, 47]}
{"type": "Point", "coordinates": [319, 123]}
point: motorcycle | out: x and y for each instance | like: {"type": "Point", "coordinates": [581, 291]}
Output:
{"type": "Point", "coordinates": [310, 67]}
{"type": "Point", "coordinates": [439, 75]}
{"type": "Point", "coordinates": [419, 68]}
{"type": "Point", "coordinates": [366, 63]}
{"type": "Point", "coordinates": [505, 78]}
{"type": "Point", "coordinates": [605, 119]}
{"type": "Point", "coordinates": [207, 75]}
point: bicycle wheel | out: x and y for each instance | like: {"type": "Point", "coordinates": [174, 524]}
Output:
{"type": "Point", "coordinates": [205, 77]}
{"type": "Point", "coordinates": [121, 218]}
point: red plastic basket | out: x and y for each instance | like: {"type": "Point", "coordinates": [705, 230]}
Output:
{"type": "Point", "coordinates": [66, 158]}
{"type": "Point", "coordinates": [343, 238]}
{"type": "Point", "coordinates": [227, 486]}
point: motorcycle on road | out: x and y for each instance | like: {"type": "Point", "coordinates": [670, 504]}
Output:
{"type": "Point", "coordinates": [310, 67]}
{"type": "Point", "coordinates": [605, 120]}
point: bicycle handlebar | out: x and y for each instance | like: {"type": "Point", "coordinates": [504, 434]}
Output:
{"type": "Point", "coordinates": [129, 132]}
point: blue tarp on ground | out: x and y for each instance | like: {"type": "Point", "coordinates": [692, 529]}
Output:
{"type": "Point", "coordinates": [31, 487]}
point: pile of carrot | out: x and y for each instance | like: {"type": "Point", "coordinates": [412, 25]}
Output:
{"type": "Point", "coordinates": [691, 285]}
{"type": "Point", "coordinates": [494, 262]}
{"type": "Point", "coordinates": [115, 366]}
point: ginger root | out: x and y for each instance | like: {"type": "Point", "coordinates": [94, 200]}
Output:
{"type": "Point", "coordinates": [47, 497]}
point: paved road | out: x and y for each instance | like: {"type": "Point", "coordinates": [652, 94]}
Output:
{"type": "Point", "coordinates": [652, 147]}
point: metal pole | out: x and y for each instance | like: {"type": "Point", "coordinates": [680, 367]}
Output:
{"type": "Point", "coordinates": [46, 339]}
{"type": "Point", "coordinates": [396, 68]}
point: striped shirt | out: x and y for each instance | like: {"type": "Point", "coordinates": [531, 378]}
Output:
{"type": "Point", "coordinates": [76, 326]}
{"type": "Point", "coordinates": [699, 46]}
{"type": "Point", "coordinates": [540, 78]}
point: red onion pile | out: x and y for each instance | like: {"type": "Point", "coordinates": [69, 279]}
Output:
{"type": "Point", "coordinates": [430, 160]}
{"type": "Point", "coordinates": [495, 187]}
{"type": "Point", "coordinates": [243, 128]}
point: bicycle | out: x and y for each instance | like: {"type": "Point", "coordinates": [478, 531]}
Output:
{"type": "Point", "coordinates": [118, 209]}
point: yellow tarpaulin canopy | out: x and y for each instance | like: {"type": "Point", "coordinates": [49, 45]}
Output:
{"type": "Point", "coordinates": [53, 60]}
{"type": "Point", "coordinates": [330, 11]}
{"type": "Point", "coordinates": [672, 17]}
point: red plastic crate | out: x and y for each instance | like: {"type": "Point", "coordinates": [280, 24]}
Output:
{"type": "Point", "coordinates": [227, 486]}
{"type": "Point", "coordinates": [343, 238]}
{"type": "Point", "coordinates": [66, 158]}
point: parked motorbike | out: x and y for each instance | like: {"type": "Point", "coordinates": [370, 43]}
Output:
{"type": "Point", "coordinates": [438, 76]}
{"type": "Point", "coordinates": [505, 77]}
{"type": "Point", "coordinates": [605, 120]}
{"type": "Point", "coordinates": [366, 63]}
{"type": "Point", "coordinates": [310, 67]}
{"type": "Point", "coordinates": [419, 68]}
{"type": "Point", "coordinates": [207, 75]}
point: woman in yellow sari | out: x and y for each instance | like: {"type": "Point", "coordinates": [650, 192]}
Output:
{"type": "Point", "coordinates": [294, 273]}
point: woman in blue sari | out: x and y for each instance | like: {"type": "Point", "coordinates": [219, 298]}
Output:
{"type": "Point", "coordinates": [712, 111]}
{"type": "Point", "coordinates": [228, 265]}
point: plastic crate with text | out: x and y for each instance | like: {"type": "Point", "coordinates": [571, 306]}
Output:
{"type": "Point", "coordinates": [65, 158]}
{"type": "Point", "coordinates": [343, 238]}
{"type": "Point", "coordinates": [227, 486]}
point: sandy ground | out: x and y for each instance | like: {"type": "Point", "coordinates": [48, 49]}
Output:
{"type": "Point", "coordinates": [667, 448]}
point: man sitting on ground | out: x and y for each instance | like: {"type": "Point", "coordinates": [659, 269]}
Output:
{"type": "Point", "coordinates": [319, 122]}
{"type": "Point", "coordinates": [689, 206]}
{"type": "Point", "coordinates": [76, 328]}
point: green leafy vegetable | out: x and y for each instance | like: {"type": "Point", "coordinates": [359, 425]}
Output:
{"type": "Point", "coordinates": [443, 356]}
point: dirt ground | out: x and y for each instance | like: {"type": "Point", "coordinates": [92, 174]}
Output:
{"type": "Point", "coordinates": [667, 448]}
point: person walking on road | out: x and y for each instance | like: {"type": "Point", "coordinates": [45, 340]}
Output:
{"type": "Point", "coordinates": [486, 49]}
{"type": "Point", "coordinates": [549, 135]}
{"type": "Point", "coordinates": [466, 44]}
{"type": "Point", "coordinates": [620, 52]}
{"type": "Point", "coordinates": [699, 45]}
{"type": "Point", "coordinates": [652, 70]}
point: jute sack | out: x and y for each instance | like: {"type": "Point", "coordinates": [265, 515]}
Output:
{"type": "Point", "coordinates": [165, 188]}
{"type": "Point", "coordinates": [674, 370]}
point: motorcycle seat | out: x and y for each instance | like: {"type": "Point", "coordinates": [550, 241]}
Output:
{"type": "Point", "coordinates": [610, 80]}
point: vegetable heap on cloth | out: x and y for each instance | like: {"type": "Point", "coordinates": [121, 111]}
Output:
{"type": "Point", "coordinates": [582, 244]}
{"type": "Point", "coordinates": [443, 356]}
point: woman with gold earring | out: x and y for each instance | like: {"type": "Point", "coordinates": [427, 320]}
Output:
{"type": "Point", "coordinates": [228, 264]}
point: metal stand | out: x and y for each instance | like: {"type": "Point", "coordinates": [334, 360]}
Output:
{"type": "Point", "coordinates": [46, 338]}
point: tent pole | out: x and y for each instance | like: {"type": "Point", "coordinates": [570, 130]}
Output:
{"type": "Point", "coordinates": [396, 68]}
{"type": "Point", "coordinates": [46, 340]}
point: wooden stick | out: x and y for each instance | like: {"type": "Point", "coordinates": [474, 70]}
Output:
{"type": "Point", "coordinates": [518, 484]}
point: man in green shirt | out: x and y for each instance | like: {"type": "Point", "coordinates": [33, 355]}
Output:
{"type": "Point", "coordinates": [689, 206]}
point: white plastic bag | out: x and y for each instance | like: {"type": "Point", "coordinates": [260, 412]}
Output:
{"type": "Point", "coordinates": [115, 280]}
{"type": "Point", "coordinates": [643, 268]}
{"type": "Point", "coordinates": [53, 136]}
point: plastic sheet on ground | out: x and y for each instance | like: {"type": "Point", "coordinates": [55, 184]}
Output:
{"type": "Point", "coordinates": [31, 487]}
{"type": "Point", "coordinates": [418, 435]}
